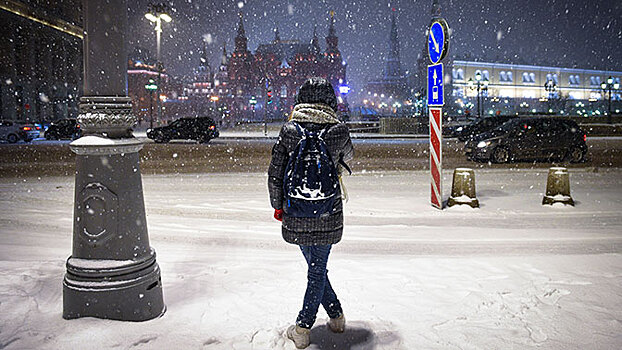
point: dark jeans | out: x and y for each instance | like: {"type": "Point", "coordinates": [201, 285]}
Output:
{"type": "Point", "coordinates": [319, 290]}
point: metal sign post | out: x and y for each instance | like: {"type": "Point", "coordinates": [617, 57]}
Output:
{"type": "Point", "coordinates": [436, 157]}
{"type": "Point", "coordinates": [438, 44]}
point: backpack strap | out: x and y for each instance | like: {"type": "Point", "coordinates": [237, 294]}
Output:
{"type": "Point", "coordinates": [300, 129]}
{"type": "Point", "coordinates": [341, 161]}
{"type": "Point", "coordinates": [344, 165]}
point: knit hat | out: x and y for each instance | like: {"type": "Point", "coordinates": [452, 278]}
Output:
{"type": "Point", "coordinates": [317, 90]}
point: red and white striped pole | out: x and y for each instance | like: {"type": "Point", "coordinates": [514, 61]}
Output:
{"type": "Point", "coordinates": [436, 157]}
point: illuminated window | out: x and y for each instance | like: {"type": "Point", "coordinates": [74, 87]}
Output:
{"type": "Point", "coordinates": [486, 75]}
{"type": "Point", "coordinates": [503, 77]}
{"type": "Point", "coordinates": [525, 77]}
{"type": "Point", "coordinates": [510, 77]}
{"type": "Point", "coordinates": [506, 93]}
{"type": "Point", "coordinates": [594, 80]}
{"type": "Point", "coordinates": [458, 74]}
{"type": "Point", "coordinates": [529, 94]}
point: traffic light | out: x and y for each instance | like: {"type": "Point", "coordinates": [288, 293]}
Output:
{"type": "Point", "coordinates": [269, 96]}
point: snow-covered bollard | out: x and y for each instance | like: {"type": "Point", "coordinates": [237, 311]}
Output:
{"type": "Point", "coordinates": [558, 187]}
{"type": "Point", "coordinates": [463, 188]}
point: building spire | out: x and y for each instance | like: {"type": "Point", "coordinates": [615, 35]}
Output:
{"type": "Point", "coordinates": [277, 35]}
{"type": "Point", "coordinates": [315, 43]}
{"type": "Point", "coordinates": [241, 41]}
{"type": "Point", "coordinates": [436, 8]}
{"type": "Point", "coordinates": [241, 31]}
{"type": "Point", "coordinates": [393, 66]}
{"type": "Point", "coordinates": [223, 58]}
{"type": "Point", "coordinates": [332, 41]}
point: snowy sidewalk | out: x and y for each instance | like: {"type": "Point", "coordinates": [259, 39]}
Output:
{"type": "Point", "coordinates": [512, 274]}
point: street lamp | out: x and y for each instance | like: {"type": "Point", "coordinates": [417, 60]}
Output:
{"type": "Point", "coordinates": [481, 87]}
{"type": "Point", "coordinates": [609, 86]}
{"type": "Point", "coordinates": [550, 86]}
{"type": "Point", "coordinates": [157, 13]}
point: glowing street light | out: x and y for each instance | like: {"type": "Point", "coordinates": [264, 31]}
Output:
{"type": "Point", "coordinates": [480, 89]}
{"type": "Point", "coordinates": [157, 14]}
{"type": "Point", "coordinates": [610, 86]}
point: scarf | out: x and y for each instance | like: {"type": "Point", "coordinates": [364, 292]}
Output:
{"type": "Point", "coordinates": [318, 113]}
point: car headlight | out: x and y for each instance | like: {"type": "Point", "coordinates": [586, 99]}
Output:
{"type": "Point", "coordinates": [459, 128]}
{"type": "Point", "coordinates": [148, 130]}
{"type": "Point", "coordinates": [483, 144]}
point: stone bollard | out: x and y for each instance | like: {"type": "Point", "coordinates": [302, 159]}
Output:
{"type": "Point", "coordinates": [463, 188]}
{"type": "Point", "coordinates": [558, 187]}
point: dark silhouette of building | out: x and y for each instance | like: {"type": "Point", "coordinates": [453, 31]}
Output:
{"type": "Point", "coordinates": [392, 91]}
{"type": "Point", "coordinates": [40, 59]}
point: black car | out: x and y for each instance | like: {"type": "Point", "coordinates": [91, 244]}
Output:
{"type": "Point", "coordinates": [63, 129]}
{"type": "Point", "coordinates": [201, 129]}
{"type": "Point", "coordinates": [479, 126]}
{"type": "Point", "coordinates": [551, 139]}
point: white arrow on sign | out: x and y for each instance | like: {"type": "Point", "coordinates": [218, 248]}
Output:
{"type": "Point", "coordinates": [435, 77]}
{"type": "Point", "coordinates": [435, 43]}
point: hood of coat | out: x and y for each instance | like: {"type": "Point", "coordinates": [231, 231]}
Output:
{"type": "Point", "coordinates": [318, 113]}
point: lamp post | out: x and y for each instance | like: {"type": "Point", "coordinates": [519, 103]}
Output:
{"type": "Point", "coordinates": [151, 87]}
{"type": "Point", "coordinates": [550, 86]}
{"type": "Point", "coordinates": [609, 86]}
{"type": "Point", "coordinates": [481, 87]}
{"type": "Point", "coordinates": [112, 272]}
{"type": "Point", "coordinates": [157, 13]}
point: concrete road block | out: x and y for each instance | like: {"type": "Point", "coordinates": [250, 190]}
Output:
{"type": "Point", "coordinates": [463, 188]}
{"type": "Point", "coordinates": [558, 187]}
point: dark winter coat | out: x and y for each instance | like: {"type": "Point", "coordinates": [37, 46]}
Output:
{"type": "Point", "coordinates": [309, 231]}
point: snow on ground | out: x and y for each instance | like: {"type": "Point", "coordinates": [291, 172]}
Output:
{"type": "Point", "coordinates": [509, 275]}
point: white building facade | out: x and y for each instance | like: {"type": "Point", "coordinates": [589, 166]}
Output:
{"type": "Point", "coordinates": [518, 89]}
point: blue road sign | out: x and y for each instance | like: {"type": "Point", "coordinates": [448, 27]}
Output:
{"type": "Point", "coordinates": [437, 40]}
{"type": "Point", "coordinates": [435, 85]}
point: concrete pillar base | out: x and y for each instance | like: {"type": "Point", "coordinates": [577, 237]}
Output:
{"type": "Point", "coordinates": [127, 290]}
{"type": "Point", "coordinates": [463, 188]}
{"type": "Point", "coordinates": [558, 187]}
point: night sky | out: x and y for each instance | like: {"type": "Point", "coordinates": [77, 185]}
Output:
{"type": "Point", "coordinates": [583, 34]}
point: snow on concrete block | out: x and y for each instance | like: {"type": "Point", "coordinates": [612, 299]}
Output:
{"type": "Point", "coordinates": [463, 188]}
{"type": "Point", "coordinates": [558, 187]}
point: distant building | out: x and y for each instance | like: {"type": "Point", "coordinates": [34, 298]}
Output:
{"type": "Point", "coordinates": [41, 60]}
{"type": "Point", "coordinates": [512, 89]}
{"type": "Point", "coordinates": [393, 90]}
{"type": "Point", "coordinates": [140, 74]}
{"type": "Point", "coordinates": [279, 67]}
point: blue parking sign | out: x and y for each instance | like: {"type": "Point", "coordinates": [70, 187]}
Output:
{"type": "Point", "coordinates": [435, 85]}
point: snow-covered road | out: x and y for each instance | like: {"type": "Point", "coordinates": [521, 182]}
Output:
{"type": "Point", "coordinates": [512, 274]}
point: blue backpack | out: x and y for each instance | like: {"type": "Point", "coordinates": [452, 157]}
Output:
{"type": "Point", "coordinates": [311, 183]}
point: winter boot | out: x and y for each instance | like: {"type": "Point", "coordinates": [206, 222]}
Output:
{"type": "Point", "coordinates": [299, 335]}
{"type": "Point", "coordinates": [337, 324]}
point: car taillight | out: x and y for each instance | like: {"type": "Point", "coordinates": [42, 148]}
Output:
{"type": "Point", "coordinates": [584, 137]}
{"type": "Point", "coordinates": [212, 127]}
{"type": "Point", "coordinates": [78, 126]}
{"type": "Point", "coordinates": [38, 128]}
{"type": "Point", "coordinates": [26, 128]}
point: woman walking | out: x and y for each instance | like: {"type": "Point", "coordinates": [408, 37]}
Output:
{"type": "Point", "coordinates": [303, 180]}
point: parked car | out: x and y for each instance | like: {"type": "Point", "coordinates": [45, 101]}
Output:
{"type": "Point", "coordinates": [479, 126]}
{"type": "Point", "coordinates": [63, 129]}
{"type": "Point", "coordinates": [29, 132]}
{"type": "Point", "coordinates": [201, 129]}
{"type": "Point", "coordinates": [552, 139]}
{"type": "Point", "coordinates": [9, 131]}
